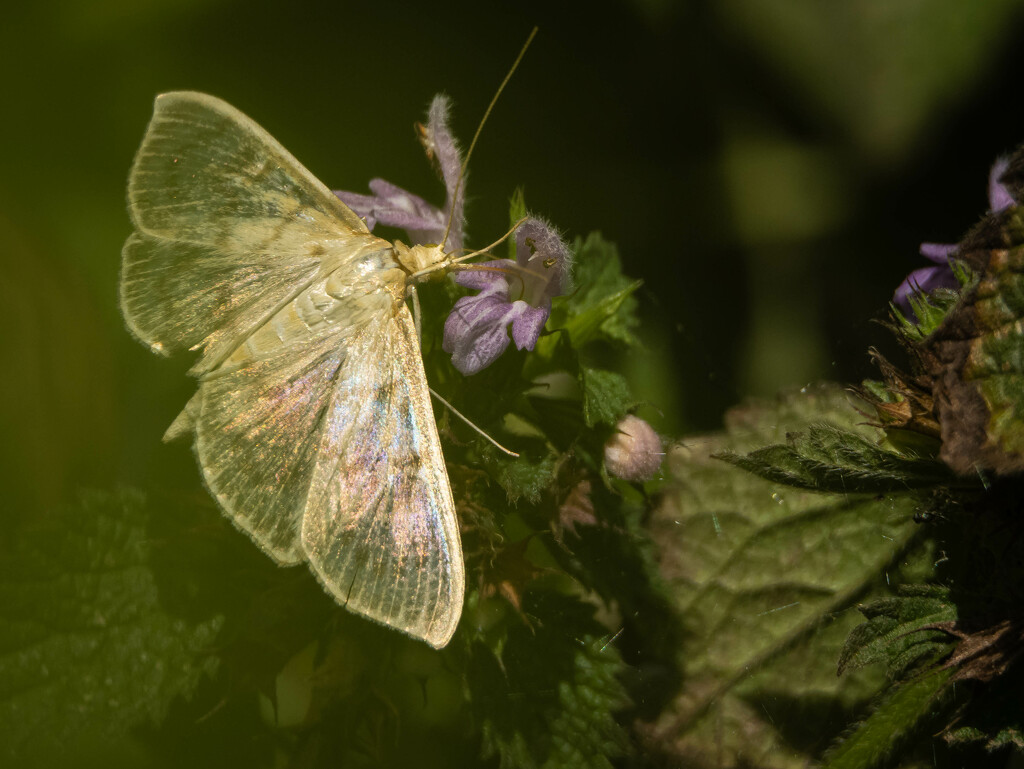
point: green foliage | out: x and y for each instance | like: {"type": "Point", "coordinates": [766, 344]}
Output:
{"type": "Point", "coordinates": [602, 305]}
{"type": "Point", "coordinates": [606, 397]}
{"type": "Point", "coordinates": [110, 645]}
{"type": "Point", "coordinates": [826, 458]}
{"type": "Point", "coordinates": [931, 309]}
{"type": "Point", "coordinates": [546, 698]}
{"type": "Point", "coordinates": [900, 631]}
{"type": "Point", "coordinates": [524, 477]}
{"type": "Point", "coordinates": [905, 710]}
{"type": "Point", "coordinates": [765, 578]}
{"type": "Point", "coordinates": [88, 651]}
{"type": "Point", "coordinates": [545, 680]}
{"type": "Point", "coordinates": [951, 647]}
{"type": "Point", "coordinates": [925, 636]}
{"type": "Point", "coordinates": [516, 211]}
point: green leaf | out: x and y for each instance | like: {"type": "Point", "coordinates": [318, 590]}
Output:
{"type": "Point", "coordinates": [606, 396]}
{"type": "Point", "coordinates": [827, 458]}
{"type": "Point", "coordinates": [602, 306]}
{"type": "Point", "coordinates": [87, 651]}
{"type": "Point", "coordinates": [897, 631]}
{"type": "Point", "coordinates": [551, 698]}
{"type": "Point", "coordinates": [765, 578]}
{"type": "Point", "coordinates": [523, 477]}
{"type": "Point", "coordinates": [601, 318]}
{"type": "Point", "coordinates": [930, 310]}
{"type": "Point", "coordinates": [906, 710]}
{"type": "Point", "coordinates": [990, 739]}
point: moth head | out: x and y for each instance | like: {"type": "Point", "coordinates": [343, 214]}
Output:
{"type": "Point", "coordinates": [420, 259]}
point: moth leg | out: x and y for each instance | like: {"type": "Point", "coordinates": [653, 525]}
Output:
{"type": "Point", "coordinates": [416, 314]}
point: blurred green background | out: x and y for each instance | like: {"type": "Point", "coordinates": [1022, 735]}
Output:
{"type": "Point", "coordinates": [768, 169]}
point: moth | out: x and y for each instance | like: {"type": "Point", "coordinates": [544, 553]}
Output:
{"type": "Point", "coordinates": [312, 422]}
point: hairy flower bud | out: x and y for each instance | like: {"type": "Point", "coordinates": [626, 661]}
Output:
{"type": "Point", "coordinates": [634, 452]}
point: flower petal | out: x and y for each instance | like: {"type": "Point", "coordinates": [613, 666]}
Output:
{"type": "Point", "coordinates": [439, 143]}
{"type": "Point", "coordinates": [527, 323]}
{"type": "Point", "coordinates": [363, 206]}
{"type": "Point", "coordinates": [393, 206]}
{"type": "Point", "coordinates": [928, 279]}
{"type": "Point", "coordinates": [476, 333]}
{"type": "Point", "coordinates": [486, 280]}
{"type": "Point", "coordinates": [998, 196]}
{"type": "Point", "coordinates": [923, 280]}
{"type": "Point", "coordinates": [442, 148]}
{"type": "Point", "coordinates": [939, 253]}
{"type": "Point", "coordinates": [544, 261]}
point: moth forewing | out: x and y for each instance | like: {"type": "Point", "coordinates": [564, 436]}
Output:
{"type": "Point", "coordinates": [313, 425]}
{"type": "Point", "coordinates": [229, 227]}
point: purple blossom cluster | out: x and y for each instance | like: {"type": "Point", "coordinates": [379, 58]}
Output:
{"type": "Point", "coordinates": [513, 294]}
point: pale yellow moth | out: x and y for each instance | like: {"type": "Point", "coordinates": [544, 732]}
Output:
{"type": "Point", "coordinates": [313, 425]}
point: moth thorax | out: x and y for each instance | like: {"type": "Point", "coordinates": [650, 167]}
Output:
{"type": "Point", "coordinates": [416, 259]}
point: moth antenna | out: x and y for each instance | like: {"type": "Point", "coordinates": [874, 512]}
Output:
{"type": "Point", "coordinates": [486, 249]}
{"type": "Point", "coordinates": [445, 265]}
{"type": "Point", "coordinates": [479, 128]}
{"type": "Point", "coordinates": [465, 419]}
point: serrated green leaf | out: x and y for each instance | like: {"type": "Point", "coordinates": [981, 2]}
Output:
{"type": "Point", "coordinates": [929, 311]}
{"type": "Point", "coordinates": [551, 699]}
{"type": "Point", "coordinates": [826, 458]}
{"type": "Point", "coordinates": [765, 578]}
{"type": "Point", "coordinates": [899, 646]}
{"type": "Point", "coordinates": [602, 306]}
{"type": "Point", "coordinates": [87, 651]}
{"type": "Point", "coordinates": [524, 477]}
{"type": "Point", "coordinates": [599, 318]}
{"type": "Point", "coordinates": [584, 731]}
{"type": "Point", "coordinates": [907, 709]}
{"type": "Point", "coordinates": [606, 396]}
{"type": "Point", "coordinates": [897, 631]}
{"type": "Point", "coordinates": [880, 391]}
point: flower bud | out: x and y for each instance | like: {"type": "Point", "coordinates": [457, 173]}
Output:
{"type": "Point", "coordinates": [634, 452]}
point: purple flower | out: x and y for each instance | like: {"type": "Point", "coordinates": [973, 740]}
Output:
{"type": "Point", "coordinates": [924, 280]}
{"type": "Point", "coordinates": [512, 293]}
{"type": "Point", "coordinates": [394, 207]}
{"type": "Point", "coordinates": [998, 196]}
